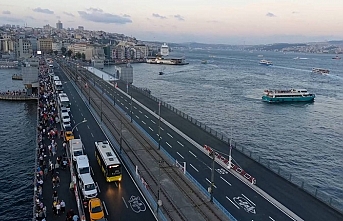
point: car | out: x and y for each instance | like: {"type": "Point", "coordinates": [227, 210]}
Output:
{"type": "Point", "coordinates": [66, 124]}
{"type": "Point", "coordinates": [65, 117]}
{"type": "Point", "coordinates": [95, 209]}
{"type": "Point", "coordinates": [68, 134]}
{"type": "Point", "coordinates": [64, 110]}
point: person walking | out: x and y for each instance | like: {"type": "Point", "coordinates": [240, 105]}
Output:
{"type": "Point", "coordinates": [63, 206]}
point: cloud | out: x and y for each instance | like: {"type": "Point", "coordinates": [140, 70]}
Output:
{"type": "Point", "coordinates": [98, 15]}
{"type": "Point", "coordinates": [127, 16]}
{"type": "Point", "coordinates": [294, 12]}
{"type": "Point", "coordinates": [179, 17]}
{"type": "Point", "coordinates": [159, 16]}
{"type": "Point", "coordinates": [213, 21]}
{"type": "Point", "coordinates": [6, 12]}
{"type": "Point", "coordinates": [43, 10]}
{"type": "Point", "coordinates": [69, 14]}
{"type": "Point", "coordinates": [269, 14]}
{"type": "Point", "coordinates": [11, 20]}
{"type": "Point", "coordinates": [58, 17]}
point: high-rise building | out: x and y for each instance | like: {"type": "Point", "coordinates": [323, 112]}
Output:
{"type": "Point", "coordinates": [59, 25]}
{"type": "Point", "coordinates": [81, 28]}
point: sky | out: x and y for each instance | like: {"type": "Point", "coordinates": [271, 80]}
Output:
{"type": "Point", "coordinates": [205, 21]}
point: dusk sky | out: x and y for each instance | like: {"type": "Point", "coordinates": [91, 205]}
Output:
{"type": "Point", "coordinates": [216, 21]}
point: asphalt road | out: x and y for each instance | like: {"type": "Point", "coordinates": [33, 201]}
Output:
{"type": "Point", "coordinates": [116, 197]}
{"type": "Point", "coordinates": [242, 198]}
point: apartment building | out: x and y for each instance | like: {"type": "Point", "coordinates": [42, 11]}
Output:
{"type": "Point", "coordinates": [44, 45]}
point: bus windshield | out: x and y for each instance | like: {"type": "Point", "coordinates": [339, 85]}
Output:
{"type": "Point", "coordinates": [114, 170]}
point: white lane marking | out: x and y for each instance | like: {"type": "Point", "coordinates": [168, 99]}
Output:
{"type": "Point", "coordinates": [248, 199]}
{"type": "Point", "coordinates": [122, 104]}
{"type": "Point", "coordinates": [232, 202]}
{"type": "Point", "coordinates": [97, 186]}
{"type": "Point", "coordinates": [271, 218]}
{"type": "Point", "coordinates": [121, 97]}
{"type": "Point", "coordinates": [124, 202]}
{"type": "Point", "coordinates": [81, 114]}
{"type": "Point", "coordinates": [135, 107]}
{"type": "Point", "coordinates": [137, 117]}
{"type": "Point", "coordinates": [74, 121]}
{"type": "Point", "coordinates": [125, 100]}
{"type": "Point", "coordinates": [179, 143]}
{"type": "Point", "coordinates": [180, 155]}
{"type": "Point", "coordinates": [153, 122]}
{"type": "Point", "coordinates": [143, 122]}
{"type": "Point", "coordinates": [170, 135]}
{"type": "Point", "coordinates": [194, 167]}
{"type": "Point", "coordinates": [105, 207]}
{"type": "Point", "coordinates": [169, 145]}
{"type": "Point", "coordinates": [210, 183]}
{"type": "Point", "coordinates": [146, 116]}
{"type": "Point", "coordinates": [126, 108]}
{"type": "Point", "coordinates": [88, 126]}
{"type": "Point", "coordinates": [116, 184]}
{"type": "Point", "coordinates": [140, 111]}
{"type": "Point", "coordinates": [76, 129]}
{"type": "Point", "coordinates": [151, 129]}
{"type": "Point", "coordinates": [225, 181]}
{"type": "Point", "coordinates": [161, 128]}
{"type": "Point", "coordinates": [92, 134]}
{"type": "Point", "coordinates": [192, 153]}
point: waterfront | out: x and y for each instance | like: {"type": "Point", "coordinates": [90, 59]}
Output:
{"type": "Point", "coordinates": [225, 94]}
{"type": "Point", "coordinates": [17, 151]}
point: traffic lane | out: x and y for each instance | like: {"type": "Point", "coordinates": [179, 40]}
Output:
{"type": "Point", "coordinates": [116, 196]}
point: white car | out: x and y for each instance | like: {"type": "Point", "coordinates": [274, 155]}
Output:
{"type": "Point", "coordinates": [66, 124]}
{"type": "Point", "coordinates": [65, 118]}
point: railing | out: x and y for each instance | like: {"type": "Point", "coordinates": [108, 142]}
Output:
{"type": "Point", "coordinates": [314, 191]}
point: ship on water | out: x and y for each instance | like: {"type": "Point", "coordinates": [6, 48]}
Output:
{"type": "Point", "coordinates": [169, 61]}
{"type": "Point", "coordinates": [164, 50]}
{"type": "Point", "coordinates": [292, 95]}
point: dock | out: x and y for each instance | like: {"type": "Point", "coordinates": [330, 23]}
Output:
{"type": "Point", "coordinates": [17, 77]}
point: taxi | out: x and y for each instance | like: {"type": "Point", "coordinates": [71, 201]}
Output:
{"type": "Point", "coordinates": [95, 209]}
{"type": "Point", "coordinates": [68, 134]}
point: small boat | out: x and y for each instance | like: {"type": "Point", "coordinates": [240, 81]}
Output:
{"type": "Point", "coordinates": [292, 95]}
{"type": "Point", "coordinates": [17, 77]}
{"type": "Point", "coordinates": [337, 57]}
{"type": "Point", "coordinates": [266, 62]}
{"type": "Point", "coordinates": [260, 55]}
{"type": "Point", "coordinates": [161, 73]}
{"type": "Point", "coordinates": [320, 71]}
{"type": "Point", "coordinates": [203, 62]}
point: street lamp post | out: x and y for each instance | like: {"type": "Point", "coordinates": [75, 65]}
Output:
{"type": "Point", "coordinates": [212, 176]}
{"type": "Point", "coordinates": [84, 121]}
{"type": "Point", "coordinates": [131, 107]}
{"type": "Point", "coordinates": [121, 134]}
{"type": "Point", "coordinates": [159, 125]}
{"type": "Point", "coordinates": [159, 202]}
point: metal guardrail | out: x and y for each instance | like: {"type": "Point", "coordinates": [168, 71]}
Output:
{"type": "Point", "coordinates": [310, 189]}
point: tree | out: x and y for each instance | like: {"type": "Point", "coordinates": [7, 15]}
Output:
{"type": "Point", "coordinates": [69, 52]}
{"type": "Point", "coordinates": [83, 56]}
{"type": "Point", "coordinates": [56, 52]}
{"type": "Point", "coordinates": [64, 50]}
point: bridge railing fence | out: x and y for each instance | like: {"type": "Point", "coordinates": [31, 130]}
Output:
{"type": "Point", "coordinates": [314, 191]}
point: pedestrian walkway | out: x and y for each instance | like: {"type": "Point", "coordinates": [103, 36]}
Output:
{"type": "Point", "coordinates": [54, 200]}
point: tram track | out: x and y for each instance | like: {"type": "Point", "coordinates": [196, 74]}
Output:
{"type": "Point", "coordinates": [110, 117]}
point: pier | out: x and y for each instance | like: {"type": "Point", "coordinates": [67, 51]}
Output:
{"type": "Point", "coordinates": [17, 97]}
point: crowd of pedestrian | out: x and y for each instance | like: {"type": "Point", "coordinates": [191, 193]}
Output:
{"type": "Point", "coordinates": [49, 162]}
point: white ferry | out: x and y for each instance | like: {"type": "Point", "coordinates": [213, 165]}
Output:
{"type": "Point", "coordinates": [292, 95]}
{"type": "Point", "coordinates": [320, 71]}
{"type": "Point", "coordinates": [169, 61]}
{"type": "Point", "coordinates": [266, 62]}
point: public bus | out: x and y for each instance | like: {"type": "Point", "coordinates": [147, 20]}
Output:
{"type": "Point", "coordinates": [108, 161]}
{"type": "Point", "coordinates": [64, 101]}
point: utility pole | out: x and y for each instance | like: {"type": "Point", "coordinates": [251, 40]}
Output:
{"type": "Point", "coordinates": [159, 202]}
{"type": "Point", "coordinates": [159, 125]}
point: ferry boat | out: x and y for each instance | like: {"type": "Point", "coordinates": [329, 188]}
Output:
{"type": "Point", "coordinates": [292, 95]}
{"type": "Point", "coordinates": [337, 57]}
{"type": "Point", "coordinates": [169, 61]}
{"type": "Point", "coordinates": [320, 71]}
{"type": "Point", "coordinates": [204, 62]}
{"type": "Point", "coordinates": [266, 62]}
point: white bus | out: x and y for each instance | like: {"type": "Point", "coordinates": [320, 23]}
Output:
{"type": "Point", "coordinates": [108, 161]}
{"type": "Point", "coordinates": [64, 101]}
